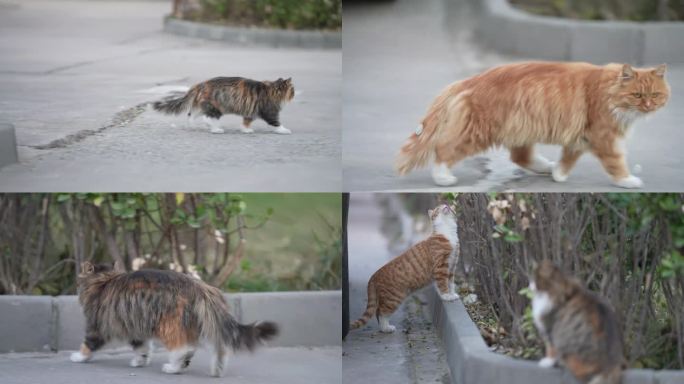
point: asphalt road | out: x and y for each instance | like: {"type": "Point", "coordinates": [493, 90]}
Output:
{"type": "Point", "coordinates": [303, 365]}
{"type": "Point", "coordinates": [81, 67]}
{"type": "Point", "coordinates": [399, 55]}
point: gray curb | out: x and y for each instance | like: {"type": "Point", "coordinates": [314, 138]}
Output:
{"type": "Point", "coordinates": [255, 36]}
{"type": "Point", "coordinates": [8, 145]}
{"type": "Point", "coordinates": [471, 361]}
{"type": "Point", "coordinates": [44, 323]}
{"type": "Point", "coordinates": [513, 31]}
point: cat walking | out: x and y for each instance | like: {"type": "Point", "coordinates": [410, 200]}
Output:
{"type": "Point", "coordinates": [580, 106]}
{"type": "Point", "coordinates": [219, 96]}
{"type": "Point", "coordinates": [578, 328]}
{"type": "Point", "coordinates": [176, 309]}
{"type": "Point", "coordinates": [433, 259]}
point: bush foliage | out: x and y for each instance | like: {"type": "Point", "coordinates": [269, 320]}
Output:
{"type": "Point", "coordinates": [634, 10]}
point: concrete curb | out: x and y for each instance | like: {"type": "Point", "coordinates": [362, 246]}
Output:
{"type": "Point", "coordinates": [255, 36]}
{"type": "Point", "coordinates": [513, 31]}
{"type": "Point", "coordinates": [8, 145]}
{"type": "Point", "coordinates": [45, 323]}
{"type": "Point", "coordinates": [471, 361]}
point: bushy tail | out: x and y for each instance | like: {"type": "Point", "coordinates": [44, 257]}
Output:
{"type": "Point", "coordinates": [419, 149]}
{"type": "Point", "coordinates": [371, 307]}
{"type": "Point", "coordinates": [220, 328]}
{"type": "Point", "coordinates": [174, 105]}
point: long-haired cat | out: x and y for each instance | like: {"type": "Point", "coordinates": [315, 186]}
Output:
{"type": "Point", "coordinates": [580, 106]}
{"type": "Point", "coordinates": [176, 309]}
{"type": "Point", "coordinates": [219, 96]}
{"type": "Point", "coordinates": [579, 329]}
{"type": "Point", "coordinates": [433, 259]}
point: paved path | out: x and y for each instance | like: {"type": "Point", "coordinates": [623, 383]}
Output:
{"type": "Point", "coordinates": [399, 55]}
{"type": "Point", "coordinates": [413, 353]}
{"type": "Point", "coordinates": [266, 366]}
{"type": "Point", "coordinates": [81, 68]}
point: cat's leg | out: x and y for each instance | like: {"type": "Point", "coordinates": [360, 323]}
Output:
{"type": "Point", "coordinates": [388, 302]}
{"type": "Point", "coordinates": [385, 325]}
{"type": "Point", "coordinates": [218, 361]}
{"type": "Point", "coordinates": [447, 155]}
{"type": "Point", "coordinates": [613, 160]}
{"type": "Point", "coordinates": [246, 121]}
{"type": "Point", "coordinates": [525, 157]}
{"type": "Point", "coordinates": [93, 341]}
{"type": "Point", "coordinates": [212, 116]}
{"type": "Point", "coordinates": [443, 282]}
{"type": "Point", "coordinates": [273, 120]}
{"type": "Point", "coordinates": [568, 159]}
{"type": "Point", "coordinates": [142, 353]}
{"type": "Point", "coordinates": [550, 360]}
{"type": "Point", "coordinates": [179, 359]}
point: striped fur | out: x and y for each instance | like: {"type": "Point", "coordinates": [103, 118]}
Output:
{"type": "Point", "coordinates": [219, 96]}
{"type": "Point", "coordinates": [433, 259]}
{"type": "Point", "coordinates": [176, 309]}
{"type": "Point", "coordinates": [579, 106]}
{"type": "Point", "coordinates": [579, 328]}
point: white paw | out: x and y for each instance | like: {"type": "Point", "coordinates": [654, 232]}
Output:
{"type": "Point", "coordinates": [442, 176]}
{"type": "Point", "coordinates": [78, 357]}
{"type": "Point", "coordinates": [215, 372]}
{"type": "Point", "coordinates": [388, 329]}
{"type": "Point", "coordinates": [448, 296]}
{"type": "Point", "coordinates": [558, 174]}
{"type": "Point", "coordinates": [170, 368]}
{"type": "Point", "coordinates": [246, 130]}
{"type": "Point", "coordinates": [541, 165]}
{"type": "Point", "coordinates": [139, 361]}
{"type": "Point", "coordinates": [282, 130]}
{"type": "Point", "coordinates": [630, 181]}
{"type": "Point", "coordinates": [547, 362]}
{"type": "Point", "coordinates": [216, 130]}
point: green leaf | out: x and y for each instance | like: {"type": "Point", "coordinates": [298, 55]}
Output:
{"type": "Point", "coordinates": [62, 197]}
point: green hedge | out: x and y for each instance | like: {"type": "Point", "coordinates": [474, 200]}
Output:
{"type": "Point", "coordinates": [289, 14]}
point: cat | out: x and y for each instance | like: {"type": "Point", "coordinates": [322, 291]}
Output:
{"type": "Point", "coordinates": [580, 106]}
{"type": "Point", "coordinates": [432, 259]}
{"type": "Point", "coordinates": [177, 309]}
{"type": "Point", "coordinates": [250, 99]}
{"type": "Point", "coordinates": [578, 328]}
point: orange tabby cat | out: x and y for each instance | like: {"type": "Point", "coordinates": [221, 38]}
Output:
{"type": "Point", "coordinates": [432, 259]}
{"type": "Point", "coordinates": [581, 106]}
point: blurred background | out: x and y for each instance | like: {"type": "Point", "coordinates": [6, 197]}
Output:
{"type": "Point", "coordinates": [634, 10]}
{"type": "Point", "coordinates": [238, 242]}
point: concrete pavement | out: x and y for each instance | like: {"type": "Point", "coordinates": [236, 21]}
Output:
{"type": "Point", "coordinates": [73, 72]}
{"type": "Point", "coordinates": [399, 55]}
{"type": "Point", "coordinates": [413, 353]}
{"type": "Point", "coordinates": [305, 365]}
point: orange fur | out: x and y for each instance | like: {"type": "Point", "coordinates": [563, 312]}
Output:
{"type": "Point", "coordinates": [580, 106]}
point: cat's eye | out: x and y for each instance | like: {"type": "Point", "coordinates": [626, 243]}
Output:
{"type": "Point", "coordinates": [637, 95]}
{"type": "Point", "coordinates": [655, 94]}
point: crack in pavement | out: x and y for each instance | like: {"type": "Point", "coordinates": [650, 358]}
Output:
{"type": "Point", "coordinates": [120, 119]}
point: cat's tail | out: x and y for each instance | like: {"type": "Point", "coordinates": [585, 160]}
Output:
{"type": "Point", "coordinates": [419, 149]}
{"type": "Point", "coordinates": [220, 328]}
{"type": "Point", "coordinates": [174, 105]}
{"type": "Point", "coordinates": [371, 308]}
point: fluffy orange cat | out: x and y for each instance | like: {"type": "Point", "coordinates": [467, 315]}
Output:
{"type": "Point", "coordinates": [583, 107]}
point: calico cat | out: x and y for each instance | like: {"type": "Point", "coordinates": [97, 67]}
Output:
{"type": "Point", "coordinates": [580, 106]}
{"type": "Point", "coordinates": [432, 259]}
{"type": "Point", "coordinates": [579, 329]}
{"type": "Point", "coordinates": [250, 99]}
{"type": "Point", "coordinates": [178, 310]}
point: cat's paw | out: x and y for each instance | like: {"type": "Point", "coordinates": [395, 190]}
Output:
{"type": "Point", "coordinates": [216, 130]}
{"type": "Point", "coordinates": [558, 175]}
{"type": "Point", "coordinates": [442, 176]}
{"type": "Point", "coordinates": [629, 182]}
{"type": "Point", "coordinates": [282, 131]}
{"type": "Point", "coordinates": [246, 130]}
{"type": "Point", "coordinates": [170, 368]}
{"type": "Point", "coordinates": [547, 362]}
{"type": "Point", "coordinates": [448, 296]}
{"type": "Point", "coordinates": [140, 361]}
{"type": "Point", "coordinates": [541, 165]}
{"type": "Point", "coordinates": [388, 329]}
{"type": "Point", "coordinates": [78, 357]}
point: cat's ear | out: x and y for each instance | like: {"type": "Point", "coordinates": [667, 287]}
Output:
{"type": "Point", "coordinates": [627, 72]}
{"type": "Point", "coordinates": [87, 267]}
{"type": "Point", "coordinates": [660, 70]}
{"type": "Point", "coordinates": [289, 80]}
{"type": "Point", "coordinates": [118, 266]}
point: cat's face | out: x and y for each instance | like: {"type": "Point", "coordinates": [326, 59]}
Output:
{"type": "Point", "coordinates": [285, 88]}
{"type": "Point", "coordinates": [641, 91]}
{"type": "Point", "coordinates": [441, 213]}
{"type": "Point", "coordinates": [547, 278]}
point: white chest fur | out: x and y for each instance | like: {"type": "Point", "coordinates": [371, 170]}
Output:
{"type": "Point", "coordinates": [541, 305]}
{"type": "Point", "coordinates": [447, 227]}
